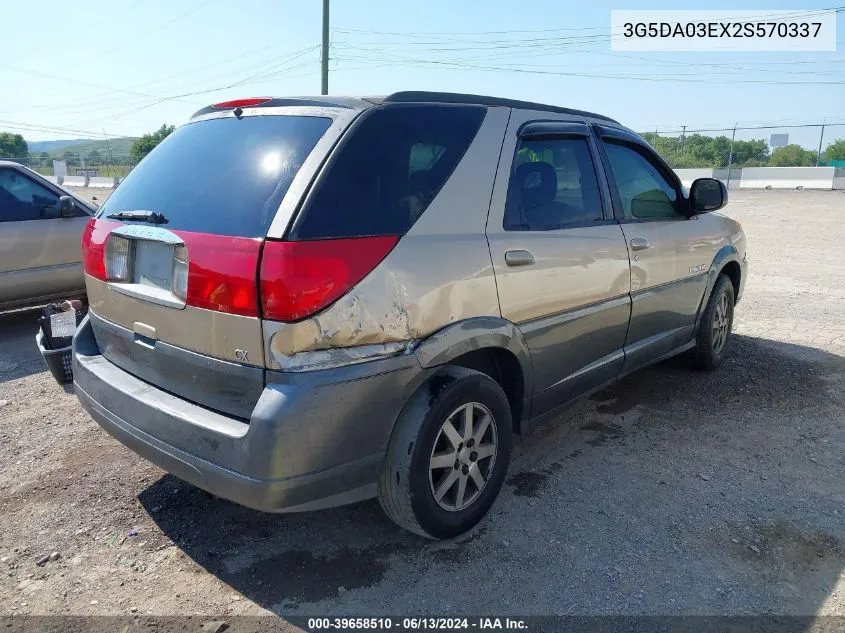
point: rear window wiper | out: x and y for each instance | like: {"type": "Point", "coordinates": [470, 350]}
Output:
{"type": "Point", "coordinates": [139, 216]}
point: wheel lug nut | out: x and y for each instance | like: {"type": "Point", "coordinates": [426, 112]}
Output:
{"type": "Point", "coordinates": [457, 464]}
{"type": "Point", "coordinates": [470, 443]}
{"type": "Point", "coordinates": [473, 456]}
{"type": "Point", "coordinates": [465, 470]}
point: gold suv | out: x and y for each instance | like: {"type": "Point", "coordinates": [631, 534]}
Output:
{"type": "Point", "coordinates": [301, 303]}
{"type": "Point", "coordinates": [41, 225]}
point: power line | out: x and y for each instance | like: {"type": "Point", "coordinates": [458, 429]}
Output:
{"type": "Point", "coordinates": [91, 99]}
{"type": "Point", "coordinates": [46, 128]}
{"type": "Point", "coordinates": [72, 81]}
{"type": "Point", "coordinates": [437, 45]}
{"type": "Point", "coordinates": [571, 67]}
{"type": "Point", "coordinates": [519, 57]}
{"type": "Point", "coordinates": [522, 70]}
{"type": "Point", "coordinates": [440, 47]}
{"type": "Point", "coordinates": [750, 127]}
{"type": "Point", "coordinates": [245, 80]}
{"type": "Point", "coordinates": [93, 26]}
{"type": "Point", "coordinates": [155, 30]}
{"type": "Point", "coordinates": [220, 88]}
{"type": "Point", "coordinates": [269, 67]}
{"type": "Point", "coordinates": [324, 53]}
{"type": "Point", "coordinates": [605, 34]}
{"type": "Point", "coordinates": [418, 34]}
{"type": "Point", "coordinates": [487, 46]}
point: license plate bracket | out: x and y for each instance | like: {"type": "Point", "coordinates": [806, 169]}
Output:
{"type": "Point", "coordinates": [153, 265]}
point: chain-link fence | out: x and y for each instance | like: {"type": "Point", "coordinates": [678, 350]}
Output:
{"type": "Point", "coordinates": [682, 147]}
{"type": "Point", "coordinates": [113, 166]}
{"type": "Point", "coordinates": [751, 146]}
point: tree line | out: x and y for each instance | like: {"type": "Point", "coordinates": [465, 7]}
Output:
{"type": "Point", "coordinates": [14, 146]}
{"type": "Point", "coordinates": [695, 150]}
{"type": "Point", "coordinates": [698, 150]}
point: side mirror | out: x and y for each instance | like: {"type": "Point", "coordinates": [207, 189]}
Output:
{"type": "Point", "coordinates": [707, 194]}
{"type": "Point", "coordinates": [67, 207]}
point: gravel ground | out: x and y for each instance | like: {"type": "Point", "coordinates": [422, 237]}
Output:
{"type": "Point", "coordinates": [92, 194]}
{"type": "Point", "coordinates": [672, 492]}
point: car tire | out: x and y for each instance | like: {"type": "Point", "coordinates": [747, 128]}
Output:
{"type": "Point", "coordinates": [714, 331]}
{"type": "Point", "coordinates": [415, 489]}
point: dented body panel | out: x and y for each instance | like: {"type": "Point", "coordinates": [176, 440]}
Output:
{"type": "Point", "coordinates": [439, 273]}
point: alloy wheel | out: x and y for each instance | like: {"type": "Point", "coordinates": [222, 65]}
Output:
{"type": "Point", "coordinates": [463, 456]}
{"type": "Point", "coordinates": [721, 323]}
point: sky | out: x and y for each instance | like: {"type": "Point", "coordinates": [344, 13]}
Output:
{"type": "Point", "coordinates": [125, 67]}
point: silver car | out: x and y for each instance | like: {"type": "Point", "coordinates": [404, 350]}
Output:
{"type": "Point", "coordinates": [41, 227]}
{"type": "Point", "coordinates": [301, 303]}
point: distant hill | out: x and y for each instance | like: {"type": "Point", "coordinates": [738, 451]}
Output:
{"type": "Point", "coordinates": [118, 146]}
{"type": "Point", "coordinates": [47, 146]}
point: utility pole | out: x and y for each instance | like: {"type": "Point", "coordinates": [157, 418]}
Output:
{"type": "Point", "coordinates": [731, 153]}
{"type": "Point", "coordinates": [111, 158]}
{"type": "Point", "coordinates": [325, 60]}
{"type": "Point", "coordinates": [821, 139]}
{"type": "Point", "coordinates": [683, 138]}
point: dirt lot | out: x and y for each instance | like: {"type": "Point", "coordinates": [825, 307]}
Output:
{"type": "Point", "coordinates": [673, 492]}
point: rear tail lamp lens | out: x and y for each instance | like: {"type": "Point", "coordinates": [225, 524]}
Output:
{"type": "Point", "coordinates": [118, 255]}
{"type": "Point", "coordinates": [94, 246]}
{"type": "Point", "coordinates": [180, 272]}
{"type": "Point", "coordinates": [299, 279]}
{"type": "Point", "coordinates": [221, 272]}
{"type": "Point", "coordinates": [218, 272]}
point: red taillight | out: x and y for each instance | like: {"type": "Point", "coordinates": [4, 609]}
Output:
{"type": "Point", "coordinates": [221, 272]}
{"type": "Point", "coordinates": [297, 279]}
{"type": "Point", "coordinates": [94, 246]}
{"type": "Point", "coordinates": [242, 103]}
{"type": "Point", "coordinates": [300, 278]}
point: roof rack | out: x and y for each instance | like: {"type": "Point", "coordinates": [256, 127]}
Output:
{"type": "Point", "coordinates": [455, 97]}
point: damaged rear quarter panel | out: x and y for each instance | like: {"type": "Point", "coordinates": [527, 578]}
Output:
{"type": "Point", "coordinates": [440, 272]}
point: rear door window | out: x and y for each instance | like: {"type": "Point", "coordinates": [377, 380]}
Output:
{"type": "Point", "coordinates": [388, 172]}
{"type": "Point", "coordinates": [553, 186]}
{"type": "Point", "coordinates": [222, 176]}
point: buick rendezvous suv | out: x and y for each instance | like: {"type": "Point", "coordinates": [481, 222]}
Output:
{"type": "Point", "coordinates": [302, 303]}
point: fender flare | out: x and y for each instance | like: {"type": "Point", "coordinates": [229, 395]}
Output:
{"type": "Point", "coordinates": [725, 255]}
{"type": "Point", "coordinates": [473, 334]}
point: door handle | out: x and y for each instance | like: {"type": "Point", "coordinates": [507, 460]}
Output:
{"type": "Point", "coordinates": [519, 258]}
{"type": "Point", "coordinates": [639, 244]}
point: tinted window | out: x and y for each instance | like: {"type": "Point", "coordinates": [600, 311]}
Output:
{"type": "Point", "coordinates": [21, 198]}
{"type": "Point", "coordinates": [553, 185]}
{"type": "Point", "coordinates": [389, 171]}
{"type": "Point", "coordinates": [643, 191]}
{"type": "Point", "coordinates": [424, 156]}
{"type": "Point", "coordinates": [221, 176]}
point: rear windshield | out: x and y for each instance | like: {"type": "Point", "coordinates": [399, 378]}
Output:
{"type": "Point", "coordinates": [222, 176]}
{"type": "Point", "coordinates": [388, 171]}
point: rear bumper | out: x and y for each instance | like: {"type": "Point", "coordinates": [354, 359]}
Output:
{"type": "Point", "coordinates": [314, 439]}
